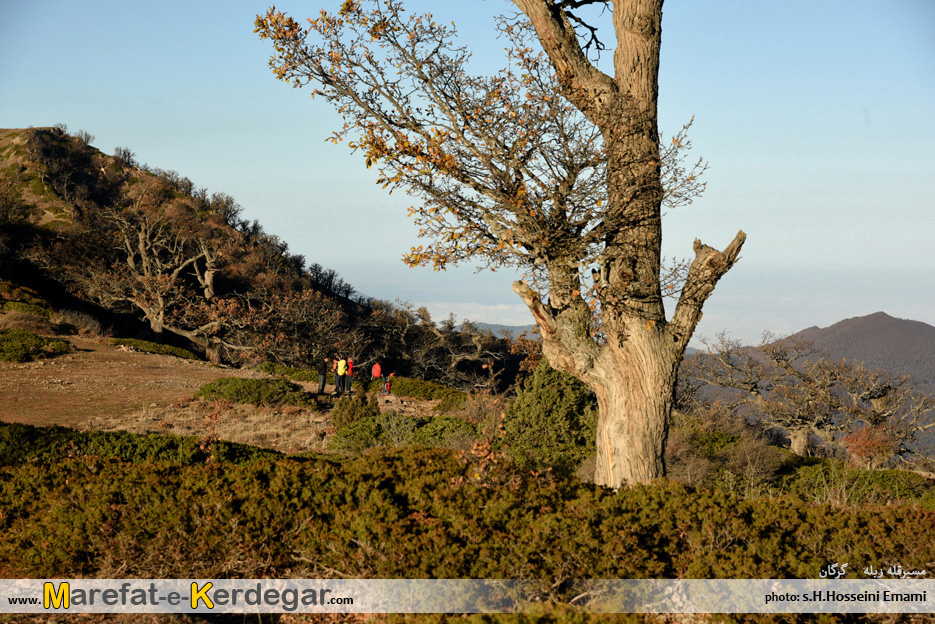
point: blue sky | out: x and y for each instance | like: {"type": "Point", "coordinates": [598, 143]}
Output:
{"type": "Point", "coordinates": [816, 119]}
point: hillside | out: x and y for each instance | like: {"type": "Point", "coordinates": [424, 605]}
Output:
{"type": "Point", "coordinates": [899, 346]}
{"type": "Point", "coordinates": [148, 254]}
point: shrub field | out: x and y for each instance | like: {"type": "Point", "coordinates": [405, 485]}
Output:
{"type": "Point", "coordinates": [273, 392]}
{"type": "Point", "coordinates": [157, 348]}
{"type": "Point", "coordinates": [449, 398]}
{"type": "Point", "coordinates": [19, 345]}
{"type": "Point", "coordinates": [144, 508]}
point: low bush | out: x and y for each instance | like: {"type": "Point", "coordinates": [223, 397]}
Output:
{"type": "Point", "coordinates": [449, 398]}
{"type": "Point", "coordinates": [271, 392]}
{"type": "Point", "coordinates": [18, 345]}
{"type": "Point", "coordinates": [399, 430]}
{"type": "Point", "coordinates": [832, 481]}
{"type": "Point", "coordinates": [711, 446]}
{"type": "Point", "coordinates": [443, 432]}
{"type": "Point", "coordinates": [292, 372]}
{"type": "Point", "coordinates": [303, 374]}
{"type": "Point", "coordinates": [552, 423]}
{"type": "Point", "coordinates": [12, 292]}
{"type": "Point", "coordinates": [358, 435]}
{"type": "Point", "coordinates": [27, 308]}
{"type": "Point", "coordinates": [155, 347]}
{"type": "Point", "coordinates": [350, 409]}
{"type": "Point", "coordinates": [420, 513]}
{"type": "Point", "coordinates": [20, 443]}
{"type": "Point", "coordinates": [80, 322]}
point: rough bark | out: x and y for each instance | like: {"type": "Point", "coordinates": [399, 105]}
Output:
{"type": "Point", "coordinates": [633, 388]}
{"type": "Point", "coordinates": [798, 442]}
{"type": "Point", "coordinates": [632, 370]}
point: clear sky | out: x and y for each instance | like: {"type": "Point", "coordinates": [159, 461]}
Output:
{"type": "Point", "coordinates": [816, 119]}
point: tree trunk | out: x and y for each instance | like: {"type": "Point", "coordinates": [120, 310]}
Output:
{"type": "Point", "coordinates": [632, 368]}
{"type": "Point", "coordinates": [157, 326]}
{"type": "Point", "coordinates": [798, 442]}
{"type": "Point", "coordinates": [634, 387]}
{"type": "Point", "coordinates": [213, 350]}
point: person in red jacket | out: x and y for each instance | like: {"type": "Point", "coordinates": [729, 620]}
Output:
{"type": "Point", "coordinates": [388, 384]}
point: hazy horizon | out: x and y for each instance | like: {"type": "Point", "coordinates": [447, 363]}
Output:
{"type": "Point", "coordinates": [815, 120]}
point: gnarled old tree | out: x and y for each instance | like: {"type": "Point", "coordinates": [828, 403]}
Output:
{"type": "Point", "coordinates": [790, 384]}
{"type": "Point", "coordinates": [550, 164]}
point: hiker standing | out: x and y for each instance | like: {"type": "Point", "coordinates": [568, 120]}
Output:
{"type": "Point", "coordinates": [340, 376]}
{"type": "Point", "coordinates": [376, 373]}
{"type": "Point", "coordinates": [322, 375]}
{"type": "Point", "coordinates": [334, 373]}
{"type": "Point", "coordinates": [350, 374]}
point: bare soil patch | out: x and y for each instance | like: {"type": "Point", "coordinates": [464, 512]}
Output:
{"type": "Point", "coordinates": [107, 388]}
{"type": "Point", "coordinates": [99, 381]}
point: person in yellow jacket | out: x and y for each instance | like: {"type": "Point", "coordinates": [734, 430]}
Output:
{"type": "Point", "coordinates": [340, 375]}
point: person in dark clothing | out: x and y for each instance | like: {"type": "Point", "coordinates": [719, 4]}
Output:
{"type": "Point", "coordinates": [323, 374]}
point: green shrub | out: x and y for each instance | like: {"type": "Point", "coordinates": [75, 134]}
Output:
{"type": "Point", "coordinates": [420, 513]}
{"type": "Point", "coordinates": [449, 398]}
{"type": "Point", "coordinates": [40, 189]}
{"type": "Point", "coordinates": [21, 443]}
{"type": "Point", "coordinates": [18, 345]}
{"type": "Point", "coordinates": [442, 431]}
{"type": "Point", "coordinates": [712, 443]}
{"type": "Point", "coordinates": [272, 392]}
{"type": "Point", "coordinates": [26, 308]}
{"type": "Point", "coordinates": [832, 481]}
{"type": "Point", "coordinates": [303, 374]}
{"type": "Point", "coordinates": [12, 292]}
{"type": "Point", "coordinates": [292, 372]}
{"type": "Point", "coordinates": [350, 409]}
{"type": "Point", "coordinates": [358, 435]}
{"type": "Point", "coordinates": [711, 446]}
{"type": "Point", "coordinates": [552, 422]}
{"type": "Point", "coordinates": [271, 368]}
{"type": "Point", "coordinates": [451, 401]}
{"type": "Point", "coordinates": [399, 430]}
{"type": "Point", "coordinates": [155, 347]}
{"type": "Point", "coordinates": [396, 430]}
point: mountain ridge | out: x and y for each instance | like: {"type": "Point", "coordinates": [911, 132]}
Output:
{"type": "Point", "coordinates": [898, 346]}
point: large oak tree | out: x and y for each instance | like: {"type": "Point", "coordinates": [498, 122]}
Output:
{"type": "Point", "coordinates": [550, 165]}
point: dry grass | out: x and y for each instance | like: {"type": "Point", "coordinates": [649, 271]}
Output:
{"type": "Point", "coordinates": [287, 429]}
{"type": "Point", "coordinates": [80, 323]}
{"type": "Point", "coordinates": [28, 322]}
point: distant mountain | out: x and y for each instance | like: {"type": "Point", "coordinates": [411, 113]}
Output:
{"type": "Point", "coordinates": [898, 346]}
{"type": "Point", "coordinates": [500, 330]}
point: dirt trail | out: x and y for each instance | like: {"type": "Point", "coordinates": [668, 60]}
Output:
{"type": "Point", "coordinates": [99, 381]}
{"type": "Point", "coordinates": [108, 388]}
